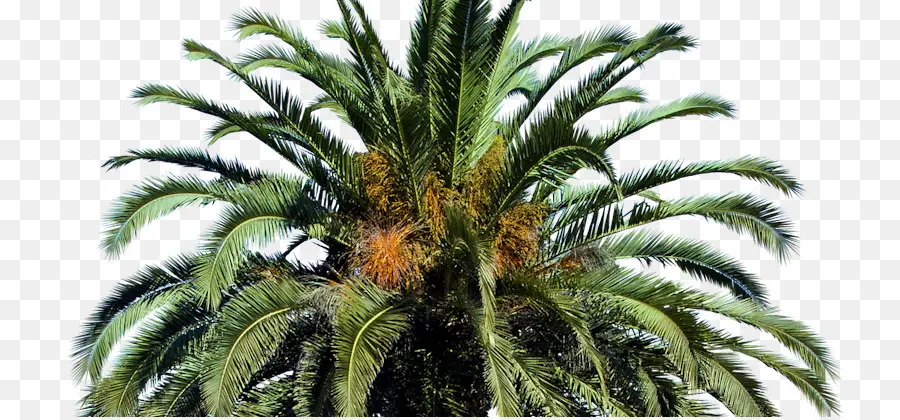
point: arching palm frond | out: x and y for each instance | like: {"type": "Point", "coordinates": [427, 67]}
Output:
{"type": "Point", "coordinates": [730, 381]}
{"type": "Point", "coordinates": [261, 213]}
{"type": "Point", "coordinates": [155, 348]}
{"type": "Point", "coordinates": [232, 170]}
{"type": "Point", "coordinates": [128, 304]}
{"type": "Point", "coordinates": [149, 201]}
{"type": "Point", "coordinates": [666, 323]}
{"type": "Point", "coordinates": [795, 336]}
{"type": "Point", "coordinates": [559, 300]}
{"type": "Point", "coordinates": [538, 385]}
{"type": "Point", "coordinates": [576, 200]}
{"type": "Point", "coordinates": [577, 51]}
{"type": "Point", "coordinates": [499, 371]}
{"type": "Point", "coordinates": [294, 120]}
{"type": "Point", "coordinates": [315, 374]}
{"type": "Point", "coordinates": [267, 400]}
{"type": "Point", "coordinates": [367, 324]}
{"type": "Point", "coordinates": [548, 153]}
{"type": "Point", "coordinates": [702, 105]}
{"type": "Point", "coordinates": [256, 125]}
{"type": "Point", "coordinates": [760, 219]}
{"type": "Point", "coordinates": [251, 326]}
{"type": "Point", "coordinates": [574, 103]}
{"type": "Point", "coordinates": [693, 257]}
{"type": "Point", "coordinates": [500, 368]}
{"type": "Point", "coordinates": [812, 386]}
{"type": "Point", "coordinates": [178, 394]}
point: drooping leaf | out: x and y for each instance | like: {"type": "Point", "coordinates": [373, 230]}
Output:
{"type": "Point", "coordinates": [148, 202]}
{"type": "Point", "coordinates": [368, 322]}
{"type": "Point", "coordinates": [250, 327]}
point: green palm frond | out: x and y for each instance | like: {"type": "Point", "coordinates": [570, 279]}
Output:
{"type": "Point", "coordinates": [650, 394]}
{"type": "Point", "coordinates": [232, 170]}
{"type": "Point", "coordinates": [127, 306]}
{"type": "Point", "coordinates": [328, 161]}
{"type": "Point", "coordinates": [256, 125]}
{"type": "Point", "coordinates": [476, 251]}
{"type": "Point", "coordinates": [588, 393]}
{"type": "Point", "coordinates": [250, 22]}
{"type": "Point", "coordinates": [368, 322]}
{"type": "Point", "coordinates": [296, 121]}
{"type": "Point", "coordinates": [330, 73]}
{"type": "Point", "coordinates": [538, 385]}
{"type": "Point", "coordinates": [571, 311]}
{"type": "Point", "coordinates": [694, 257]}
{"type": "Point", "coordinates": [424, 34]}
{"type": "Point", "coordinates": [381, 81]}
{"type": "Point", "coordinates": [575, 102]}
{"type": "Point", "coordinates": [178, 394]}
{"type": "Point", "coordinates": [664, 322]}
{"type": "Point", "coordinates": [369, 57]}
{"type": "Point", "coordinates": [222, 128]}
{"type": "Point", "coordinates": [729, 381]}
{"type": "Point", "coordinates": [576, 200]}
{"type": "Point", "coordinates": [325, 101]}
{"type": "Point", "coordinates": [575, 53]}
{"type": "Point", "coordinates": [267, 400]}
{"type": "Point", "coordinates": [545, 125]}
{"type": "Point", "coordinates": [797, 337]}
{"type": "Point", "coordinates": [260, 214]}
{"type": "Point", "coordinates": [701, 104]}
{"type": "Point", "coordinates": [813, 387]}
{"type": "Point", "coordinates": [590, 45]}
{"type": "Point", "coordinates": [685, 401]}
{"type": "Point", "coordinates": [503, 78]}
{"type": "Point", "coordinates": [147, 281]}
{"type": "Point", "coordinates": [458, 80]}
{"type": "Point", "coordinates": [499, 368]}
{"type": "Point", "coordinates": [525, 53]}
{"type": "Point", "coordinates": [334, 76]}
{"type": "Point", "coordinates": [794, 335]}
{"type": "Point", "coordinates": [555, 125]}
{"type": "Point", "coordinates": [144, 357]}
{"type": "Point", "coordinates": [375, 46]}
{"type": "Point", "coordinates": [150, 201]}
{"type": "Point", "coordinates": [515, 73]}
{"type": "Point", "coordinates": [619, 95]}
{"type": "Point", "coordinates": [250, 327]}
{"type": "Point", "coordinates": [315, 374]}
{"type": "Point", "coordinates": [758, 169]}
{"type": "Point", "coordinates": [550, 153]}
{"type": "Point", "coordinates": [762, 220]}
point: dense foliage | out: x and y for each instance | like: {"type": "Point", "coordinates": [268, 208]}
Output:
{"type": "Point", "coordinates": [463, 270]}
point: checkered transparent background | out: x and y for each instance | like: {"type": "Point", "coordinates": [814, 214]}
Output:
{"type": "Point", "coordinates": [815, 83]}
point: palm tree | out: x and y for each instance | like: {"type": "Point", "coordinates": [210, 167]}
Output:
{"type": "Point", "coordinates": [463, 270]}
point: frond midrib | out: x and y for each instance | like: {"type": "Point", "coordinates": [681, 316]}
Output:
{"type": "Point", "coordinates": [238, 340]}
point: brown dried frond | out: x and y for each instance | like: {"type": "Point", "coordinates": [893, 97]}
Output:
{"type": "Point", "coordinates": [480, 181]}
{"type": "Point", "coordinates": [385, 194]}
{"type": "Point", "coordinates": [583, 258]}
{"type": "Point", "coordinates": [570, 264]}
{"type": "Point", "coordinates": [390, 257]}
{"type": "Point", "coordinates": [516, 242]}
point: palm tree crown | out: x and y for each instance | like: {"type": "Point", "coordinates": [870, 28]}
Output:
{"type": "Point", "coordinates": [463, 270]}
